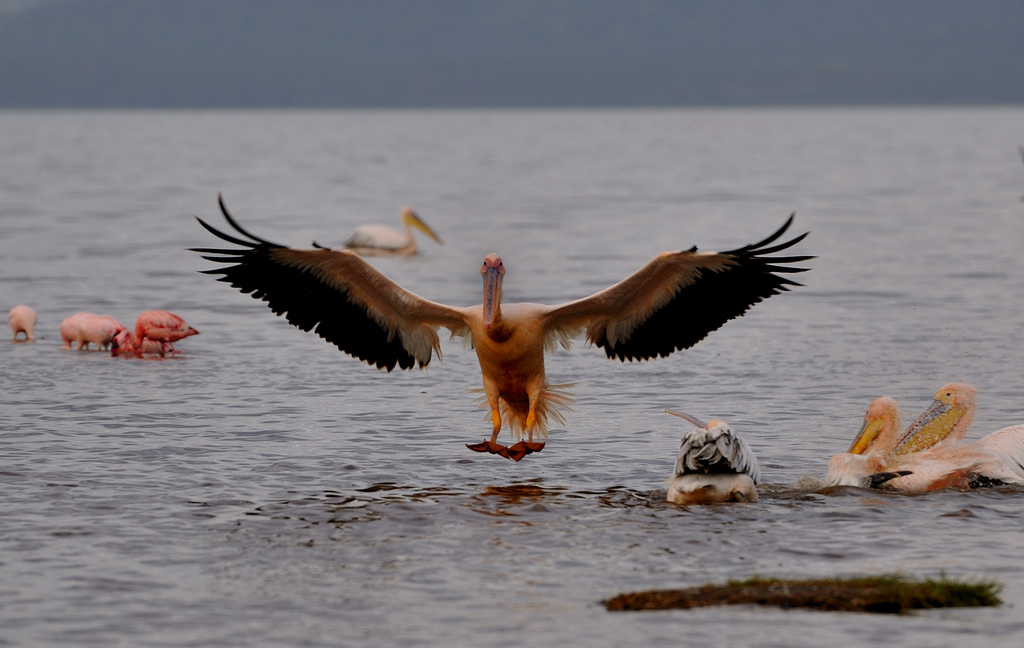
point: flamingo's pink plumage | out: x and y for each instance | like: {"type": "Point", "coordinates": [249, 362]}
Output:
{"type": "Point", "coordinates": [155, 330]}
{"type": "Point", "coordinates": [85, 328]}
{"type": "Point", "coordinates": [22, 319]}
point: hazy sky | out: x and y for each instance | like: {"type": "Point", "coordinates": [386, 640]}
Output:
{"type": "Point", "coordinates": [203, 53]}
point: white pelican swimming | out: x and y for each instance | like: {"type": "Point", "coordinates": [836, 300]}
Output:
{"type": "Point", "coordinates": [714, 464]}
{"type": "Point", "coordinates": [878, 453]}
{"type": "Point", "coordinates": [871, 449]}
{"type": "Point", "coordinates": [997, 458]}
{"type": "Point", "coordinates": [671, 303]}
{"type": "Point", "coordinates": [375, 240]}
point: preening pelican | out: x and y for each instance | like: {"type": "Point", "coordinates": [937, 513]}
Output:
{"type": "Point", "coordinates": [714, 464]}
{"type": "Point", "coordinates": [671, 303]}
{"type": "Point", "coordinates": [879, 453]}
{"type": "Point", "coordinates": [374, 240]}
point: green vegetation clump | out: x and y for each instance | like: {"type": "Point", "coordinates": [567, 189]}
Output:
{"type": "Point", "coordinates": [888, 593]}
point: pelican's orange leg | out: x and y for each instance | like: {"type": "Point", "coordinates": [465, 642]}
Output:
{"type": "Point", "coordinates": [523, 448]}
{"type": "Point", "coordinates": [491, 445]}
{"type": "Point", "coordinates": [536, 388]}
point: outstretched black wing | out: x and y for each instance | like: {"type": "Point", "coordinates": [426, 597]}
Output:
{"type": "Point", "coordinates": [335, 293]}
{"type": "Point", "coordinates": [679, 297]}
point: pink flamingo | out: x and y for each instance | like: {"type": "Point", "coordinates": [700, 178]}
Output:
{"type": "Point", "coordinates": [85, 328]}
{"type": "Point", "coordinates": [151, 328]}
{"type": "Point", "coordinates": [22, 319]}
{"type": "Point", "coordinates": [122, 345]}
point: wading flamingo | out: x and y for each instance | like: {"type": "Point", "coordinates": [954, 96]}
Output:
{"type": "Point", "coordinates": [22, 319]}
{"type": "Point", "coordinates": [121, 345]}
{"type": "Point", "coordinates": [155, 330]}
{"type": "Point", "coordinates": [714, 464]}
{"type": "Point", "coordinates": [85, 328]}
{"type": "Point", "coordinates": [376, 240]}
{"type": "Point", "coordinates": [671, 303]}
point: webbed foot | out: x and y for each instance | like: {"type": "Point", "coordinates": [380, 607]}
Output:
{"type": "Point", "coordinates": [523, 448]}
{"type": "Point", "coordinates": [491, 447]}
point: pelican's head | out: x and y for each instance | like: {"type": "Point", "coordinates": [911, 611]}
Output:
{"type": "Point", "coordinates": [953, 403]}
{"type": "Point", "coordinates": [881, 422]}
{"type": "Point", "coordinates": [412, 219]}
{"type": "Point", "coordinates": [493, 271]}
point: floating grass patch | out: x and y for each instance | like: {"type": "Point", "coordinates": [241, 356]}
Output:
{"type": "Point", "coordinates": [890, 593]}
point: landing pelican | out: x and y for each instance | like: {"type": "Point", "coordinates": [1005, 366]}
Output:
{"type": "Point", "coordinates": [714, 464]}
{"type": "Point", "coordinates": [997, 458]}
{"type": "Point", "coordinates": [671, 303]}
{"type": "Point", "coordinates": [374, 240]}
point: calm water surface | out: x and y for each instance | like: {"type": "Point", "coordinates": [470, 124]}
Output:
{"type": "Point", "coordinates": [263, 489]}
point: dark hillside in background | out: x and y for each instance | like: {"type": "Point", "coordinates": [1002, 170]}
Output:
{"type": "Point", "coordinates": [313, 53]}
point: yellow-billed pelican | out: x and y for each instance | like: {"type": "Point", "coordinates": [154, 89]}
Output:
{"type": "Point", "coordinates": [714, 464]}
{"type": "Point", "coordinates": [376, 240]}
{"type": "Point", "coordinates": [871, 448]}
{"type": "Point", "coordinates": [997, 458]}
{"type": "Point", "coordinates": [878, 453]}
{"type": "Point", "coordinates": [671, 303]}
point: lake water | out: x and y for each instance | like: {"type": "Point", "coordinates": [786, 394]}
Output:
{"type": "Point", "coordinates": [264, 489]}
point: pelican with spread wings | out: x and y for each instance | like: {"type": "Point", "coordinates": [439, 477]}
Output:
{"type": "Point", "coordinates": [671, 303]}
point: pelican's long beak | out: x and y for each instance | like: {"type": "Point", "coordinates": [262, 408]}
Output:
{"type": "Point", "coordinates": [867, 435]}
{"type": "Point", "coordinates": [414, 220]}
{"type": "Point", "coordinates": [493, 271]}
{"type": "Point", "coordinates": [934, 425]}
{"type": "Point", "coordinates": [692, 419]}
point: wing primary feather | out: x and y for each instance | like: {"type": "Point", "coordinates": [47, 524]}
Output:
{"type": "Point", "coordinates": [231, 221]}
{"type": "Point", "coordinates": [780, 246]}
{"type": "Point", "coordinates": [219, 234]}
{"type": "Point", "coordinates": [774, 237]}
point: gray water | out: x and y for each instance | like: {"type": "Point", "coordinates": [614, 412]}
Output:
{"type": "Point", "coordinates": [264, 489]}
